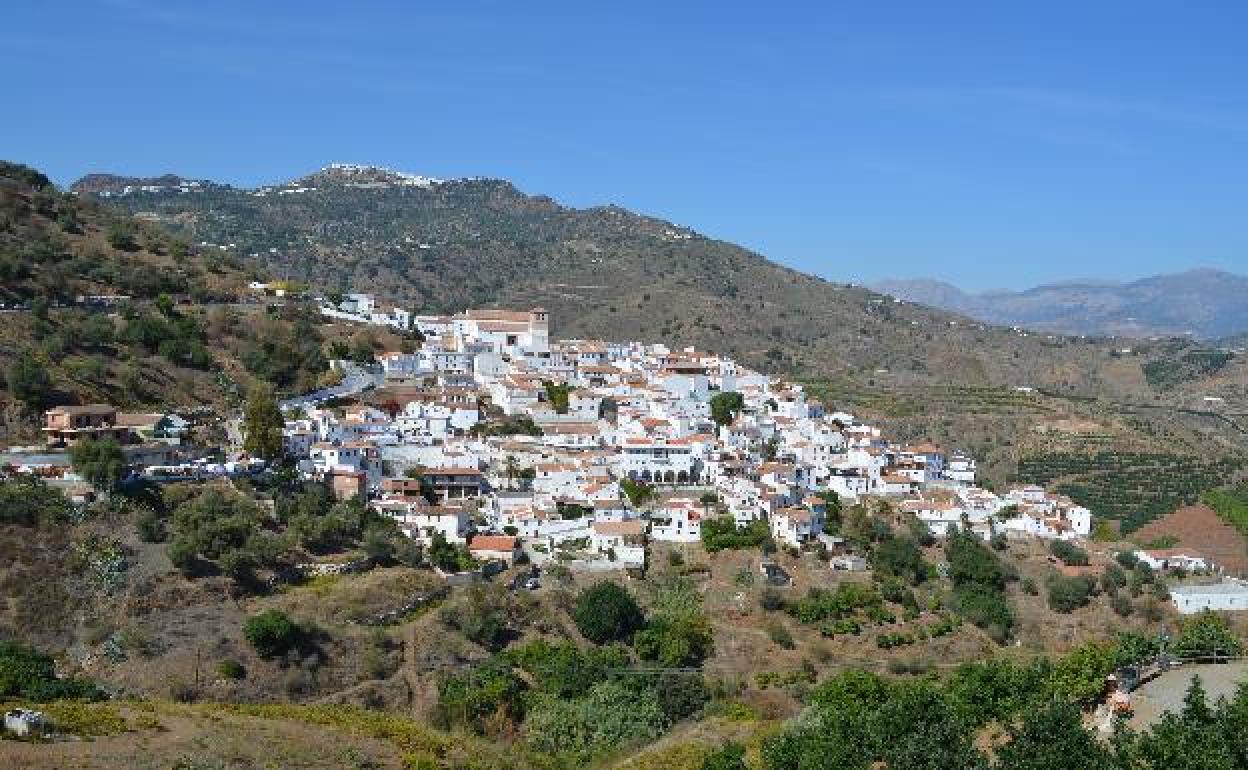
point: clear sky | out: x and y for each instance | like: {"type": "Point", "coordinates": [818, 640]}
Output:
{"type": "Point", "coordinates": [990, 144]}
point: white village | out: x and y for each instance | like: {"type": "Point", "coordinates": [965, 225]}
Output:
{"type": "Point", "coordinates": [606, 445]}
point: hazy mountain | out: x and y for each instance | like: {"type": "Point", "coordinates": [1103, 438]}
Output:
{"type": "Point", "coordinates": [1208, 304]}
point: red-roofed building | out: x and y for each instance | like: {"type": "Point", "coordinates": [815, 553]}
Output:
{"type": "Point", "coordinates": [494, 548]}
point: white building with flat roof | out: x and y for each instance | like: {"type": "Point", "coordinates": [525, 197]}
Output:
{"type": "Point", "coordinates": [1228, 595]}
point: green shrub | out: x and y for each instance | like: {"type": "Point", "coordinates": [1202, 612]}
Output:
{"type": "Point", "coordinates": [780, 635]}
{"type": "Point", "coordinates": [272, 633]}
{"type": "Point", "coordinates": [1069, 553]}
{"type": "Point", "coordinates": [27, 673]}
{"type": "Point", "coordinates": [1067, 594]}
{"type": "Point", "coordinates": [847, 599]}
{"type": "Point", "coordinates": [721, 533]}
{"type": "Point", "coordinates": [606, 612]}
{"type": "Point", "coordinates": [486, 694]}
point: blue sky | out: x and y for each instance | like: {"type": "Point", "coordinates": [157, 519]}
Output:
{"type": "Point", "coordinates": [989, 144]}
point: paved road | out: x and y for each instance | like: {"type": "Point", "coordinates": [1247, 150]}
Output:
{"type": "Point", "coordinates": [356, 379]}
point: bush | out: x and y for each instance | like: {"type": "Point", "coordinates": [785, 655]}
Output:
{"type": "Point", "coordinates": [27, 673]}
{"type": "Point", "coordinates": [681, 695]}
{"type": "Point", "coordinates": [1067, 594]}
{"type": "Point", "coordinates": [151, 527]}
{"type": "Point", "coordinates": [1069, 553]}
{"type": "Point", "coordinates": [605, 612]}
{"type": "Point", "coordinates": [1121, 605]}
{"type": "Point", "coordinates": [979, 584]}
{"type": "Point", "coordinates": [449, 557]}
{"type": "Point", "coordinates": [231, 669]}
{"type": "Point", "coordinates": [489, 694]}
{"type": "Point", "coordinates": [721, 533]}
{"type": "Point", "coordinates": [482, 615]}
{"type": "Point", "coordinates": [848, 599]}
{"type": "Point", "coordinates": [27, 500]}
{"type": "Point", "coordinates": [29, 381]}
{"type": "Point", "coordinates": [780, 635]}
{"type": "Point", "coordinates": [730, 756]}
{"type": "Point", "coordinates": [841, 627]}
{"type": "Point", "coordinates": [889, 640]}
{"type": "Point", "coordinates": [985, 607]}
{"type": "Point", "coordinates": [272, 633]}
{"type": "Point", "coordinates": [900, 557]}
{"type": "Point", "coordinates": [609, 716]}
{"type": "Point", "coordinates": [679, 641]}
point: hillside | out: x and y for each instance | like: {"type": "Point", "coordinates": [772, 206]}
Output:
{"type": "Point", "coordinates": [437, 246]}
{"type": "Point", "coordinates": [99, 305]}
{"type": "Point", "coordinates": [444, 245]}
{"type": "Point", "coordinates": [1206, 304]}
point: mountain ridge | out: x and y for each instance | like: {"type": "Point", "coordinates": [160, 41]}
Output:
{"type": "Point", "coordinates": [1202, 302]}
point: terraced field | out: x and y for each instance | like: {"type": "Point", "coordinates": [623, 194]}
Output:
{"type": "Point", "coordinates": [1131, 488]}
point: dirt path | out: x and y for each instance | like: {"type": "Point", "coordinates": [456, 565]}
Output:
{"type": "Point", "coordinates": [1165, 693]}
{"type": "Point", "coordinates": [189, 739]}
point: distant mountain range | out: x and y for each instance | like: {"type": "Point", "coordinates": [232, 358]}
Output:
{"type": "Point", "coordinates": [1204, 303]}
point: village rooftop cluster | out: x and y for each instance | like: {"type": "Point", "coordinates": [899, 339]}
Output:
{"type": "Point", "coordinates": [493, 432]}
{"type": "Point", "coordinates": [491, 435]}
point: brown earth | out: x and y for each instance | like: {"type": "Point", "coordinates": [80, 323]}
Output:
{"type": "Point", "coordinates": [1199, 527]}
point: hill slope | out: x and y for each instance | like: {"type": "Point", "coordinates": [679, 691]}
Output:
{"type": "Point", "coordinates": [602, 271]}
{"type": "Point", "coordinates": [171, 334]}
{"type": "Point", "coordinates": [1204, 303]}
{"type": "Point", "coordinates": [437, 246]}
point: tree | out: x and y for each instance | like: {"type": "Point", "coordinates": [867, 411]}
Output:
{"type": "Point", "coordinates": [979, 584]}
{"type": "Point", "coordinates": [721, 533]}
{"type": "Point", "coordinates": [900, 556]}
{"type": "Point", "coordinates": [511, 468]}
{"type": "Point", "coordinates": [638, 492]}
{"type": "Point", "coordinates": [379, 545]}
{"type": "Point", "coordinates": [417, 473]}
{"type": "Point", "coordinates": [681, 694]}
{"type": "Point", "coordinates": [1067, 594]}
{"type": "Point", "coordinates": [1069, 553]}
{"type": "Point", "coordinates": [1053, 737]}
{"type": "Point", "coordinates": [677, 642]}
{"type": "Point", "coordinates": [558, 395]}
{"type": "Point", "coordinates": [488, 694]}
{"type": "Point", "coordinates": [101, 462]}
{"type": "Point", "coordinates": [272, 633]}
{"type": "Point", "coordinates": [27, 500]}
{"type": "Point", "coordinates": [725, 406]}
{"type": "Point", "coordinates": [482, 616]}
{"type": "Point", "coordinates": [1205, 635]}
{"type": "Point", "coordinates": [120, 235]}
{"type": "Point", "coordinates": [448, 556]}
{"type": "Point", "coordinates": [183, 555]}
{"type": "Point", "coordinates": [263, 424]}
{"type": "Point", "coordinates": [1079, 677]}
{"type": "Point", "coordinates": [29, 381]}
{"type": "Point", "coordinates": [605, 612]}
